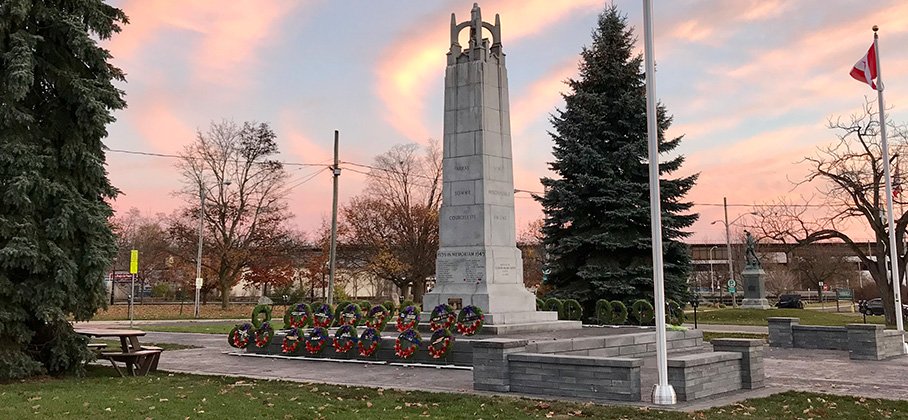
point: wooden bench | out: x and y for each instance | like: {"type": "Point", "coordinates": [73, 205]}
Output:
{"type": "Point", "coordinates": [97, 347]}
{"type": "Point", "coordinates": [155, 358]}
{"type": "Point", "coordinates": [138, 363]}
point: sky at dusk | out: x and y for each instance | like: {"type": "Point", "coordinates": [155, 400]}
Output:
{"type": "Point", "coordinates": [751, 85]}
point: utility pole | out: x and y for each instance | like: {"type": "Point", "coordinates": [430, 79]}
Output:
{"type": "Point", "coordinates": [333, 253]}
{"type": "Point", "coordinates": [731, 271]}
{"type": "Point", "coordinates": [198, 259]}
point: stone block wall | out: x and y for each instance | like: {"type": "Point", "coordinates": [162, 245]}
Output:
{"type": "Point", "coordinates": [491, 368]}
{"type": "Point", "coordinates": [872, 342]}
{"type": "Point", "coordinates": [624, 345]}
{"type": "Point", "coordinates": [780, 330]}
{"type": "Point", "coordinates": [752, 374]}
{"type": "Point", "coordinates": [584, 377]}
{"type": "Point", "coordinates": [695, 376]}
{"type": "Point", "coordinates": [819, 337]}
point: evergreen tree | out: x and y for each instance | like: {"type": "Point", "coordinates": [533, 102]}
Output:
{"type": "Point", "coordinates": [56, 98]}
{"type": "Point", "coordinates": [597, 211]}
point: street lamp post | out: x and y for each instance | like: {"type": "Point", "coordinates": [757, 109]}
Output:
{"type": "Point", "coordinates": [712, 281]}
{"type": "Point", "coordinates": [198, 261]}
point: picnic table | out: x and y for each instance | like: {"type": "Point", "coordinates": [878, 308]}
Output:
{"type": "Point", "coordinates": [139, 360]}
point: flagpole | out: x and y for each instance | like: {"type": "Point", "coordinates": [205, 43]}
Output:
{"type": "Point", "coordinates": [893, 249]}
{"type": "Point", "coordinates": [663, 392]}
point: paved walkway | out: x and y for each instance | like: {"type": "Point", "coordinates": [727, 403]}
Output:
{"type": "Point", "coordinates": [786, 369]}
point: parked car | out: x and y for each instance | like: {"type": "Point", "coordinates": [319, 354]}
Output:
{"type": "Point", "coordinates": [790, 301]}
{"type": "Point", "coordinates": [875, 307]}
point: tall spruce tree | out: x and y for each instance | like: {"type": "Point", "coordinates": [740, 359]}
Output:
{"type": "Point", "coordinates": [597, 211]}
{"type": "Point", "coordinates": [56, 98]}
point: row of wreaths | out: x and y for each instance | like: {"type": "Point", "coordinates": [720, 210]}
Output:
{"type": "Point", "coordinates": [300, 317]}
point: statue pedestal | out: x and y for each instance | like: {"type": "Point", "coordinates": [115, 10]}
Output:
{"type": "Point", "coordinates": [754, 289]}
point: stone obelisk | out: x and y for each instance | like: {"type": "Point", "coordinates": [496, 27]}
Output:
{"type": "Point", "coordinates": [478, 262]}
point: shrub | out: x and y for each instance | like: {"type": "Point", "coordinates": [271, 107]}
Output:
{"type": "Point", "coordinates": [604, 312]}
{"type": "Point", "coordinates": [674, 314]}
{"type": "Point", "coordinates": [642, 312]}
{"type": "Point", "coordinates": [572, 310]}
{"type": "Point", "coordinates": [555, 304]}
{"type": "Point", "coordinates": [619, 312]}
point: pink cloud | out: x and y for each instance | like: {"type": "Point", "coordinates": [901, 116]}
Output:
{"type": "Point", "coordinates": [412, 65]}
{"type": "Point", "coordinates": [158, 121]}
{"type": "Point", "coordinates": [226, 36]}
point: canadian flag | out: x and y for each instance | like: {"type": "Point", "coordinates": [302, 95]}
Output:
{"type": "Point", "coordinates": [864, 70]}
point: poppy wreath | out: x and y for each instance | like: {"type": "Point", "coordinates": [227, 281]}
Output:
{"type": "Point", "coordinates": [322, 316]}
{"type": "Point", "coordinates": [440, 343]}
{"type": "Point", "coordinates": [263, 335]}
{"type": "Point", "coordinates": [407, 343]}
{"type": "Point", "coordinates": [369, 342]}
{"type": "Point", "coordinates": [259, 310]}
{"type": "Point", "coordinates": [377, 317]}
{"type": "Point", "coordinates": [298, 316]}
{"type": "Point", "coordinates": [315, 340]}
{"type": "Point", "coordinates": [443, 317]}
{"type": "Point", "coordinates": [344, 338]}
{"type": "Point", "coordinates": [291, 342]}
{"type": "Point", "coordinates": [469, 320]}
{"type": "Point", "coordinates": [338, 309]}
{"type": "Point", "coordinates": [239, 336]}
{"type": "Point", "coordinates": [408, 318]}
{"type": "Point", "coordinates": [352, 315]}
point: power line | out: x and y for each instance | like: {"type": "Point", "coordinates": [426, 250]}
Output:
{"type": "Point", "coordinates": [171, 156]}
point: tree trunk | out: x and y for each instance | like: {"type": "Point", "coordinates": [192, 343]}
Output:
{"type": "Point", "coordinates": [225, 295]}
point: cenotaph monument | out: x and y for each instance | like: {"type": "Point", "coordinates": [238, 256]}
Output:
{"type": "Point", "coordinates": [753, 274]}
{"type": "Point", "coordinates": [478, 262]}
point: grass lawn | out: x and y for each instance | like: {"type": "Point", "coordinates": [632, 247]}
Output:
{"type": "Point", "coordinates": [103, 395]}
{"type": "Point", "coordinates": [709, 335]}
{"type": "Point", "coordinates": [203, 328]}
{"type": "Point", "coordinates": [154, 311]}
{"type": "Point", "coordinates": [737, 316]}
{"type": "Point", "coordinates": [115, 344]}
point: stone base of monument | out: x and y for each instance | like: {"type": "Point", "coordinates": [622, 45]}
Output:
{"type": "Point", "coordinates": [509, 308]}
{"type": "Point", "coordinates": [755, 304]}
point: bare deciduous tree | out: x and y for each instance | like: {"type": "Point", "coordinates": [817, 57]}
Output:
{"type": "Point", "coordinates": [231, 168]}
{"type": "Point", "coordinates": [393, 224]}
{"type": "Point", "coordinates": [849, 177]}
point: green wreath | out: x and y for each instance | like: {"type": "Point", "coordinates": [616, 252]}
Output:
{"type": "Point", "coordinates": [351, 315]}
{"type": "Point", "coordinates": [263, 335]}
{"type": "Point", "coordinates": [298, 316]}
{"type": "Point", "coordinates": [643, 312]}
{"type": "Point", "coordinates": [619, 312]}
{"type": "Point", "coordinates": [364, 306]}
{"type": "Point", "coordinates": [470, 320]}
{"type": "Point", "coordinates": [540, 304]}
{"type": "Point", "coordinates": [604, 312]}
{"type": "Point", "coordinates": [337, 312]}
{"type": "Point", "coordinates": [378, 317]}
{"type": "Point", "coordinates": [572, 310]}
{"type": "Point", "coordinates": [389, 305]}
{"type": "Point", "coordinates": [555, 305]}
{"type": "Point", "coordinates": [322, 316]}
{"type": "Point", "coordinates": [674, 314]}
{"type": "Point", "coordinates": [240, 336]}
{"type": "Point", "coordinates": [442, 317]}
{"type": "Point", "coordinates": [440, 343]}
{"type": "Point", "coordinates": [258, 310]}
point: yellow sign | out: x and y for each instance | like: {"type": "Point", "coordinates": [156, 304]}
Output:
{"type": "Point", "coordinates": [134, 261]}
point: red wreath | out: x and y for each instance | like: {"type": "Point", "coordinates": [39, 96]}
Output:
{"type": "Point", "coordinates": [347, 345]}
{"type": "Point", "coordinates": [291, 343]}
